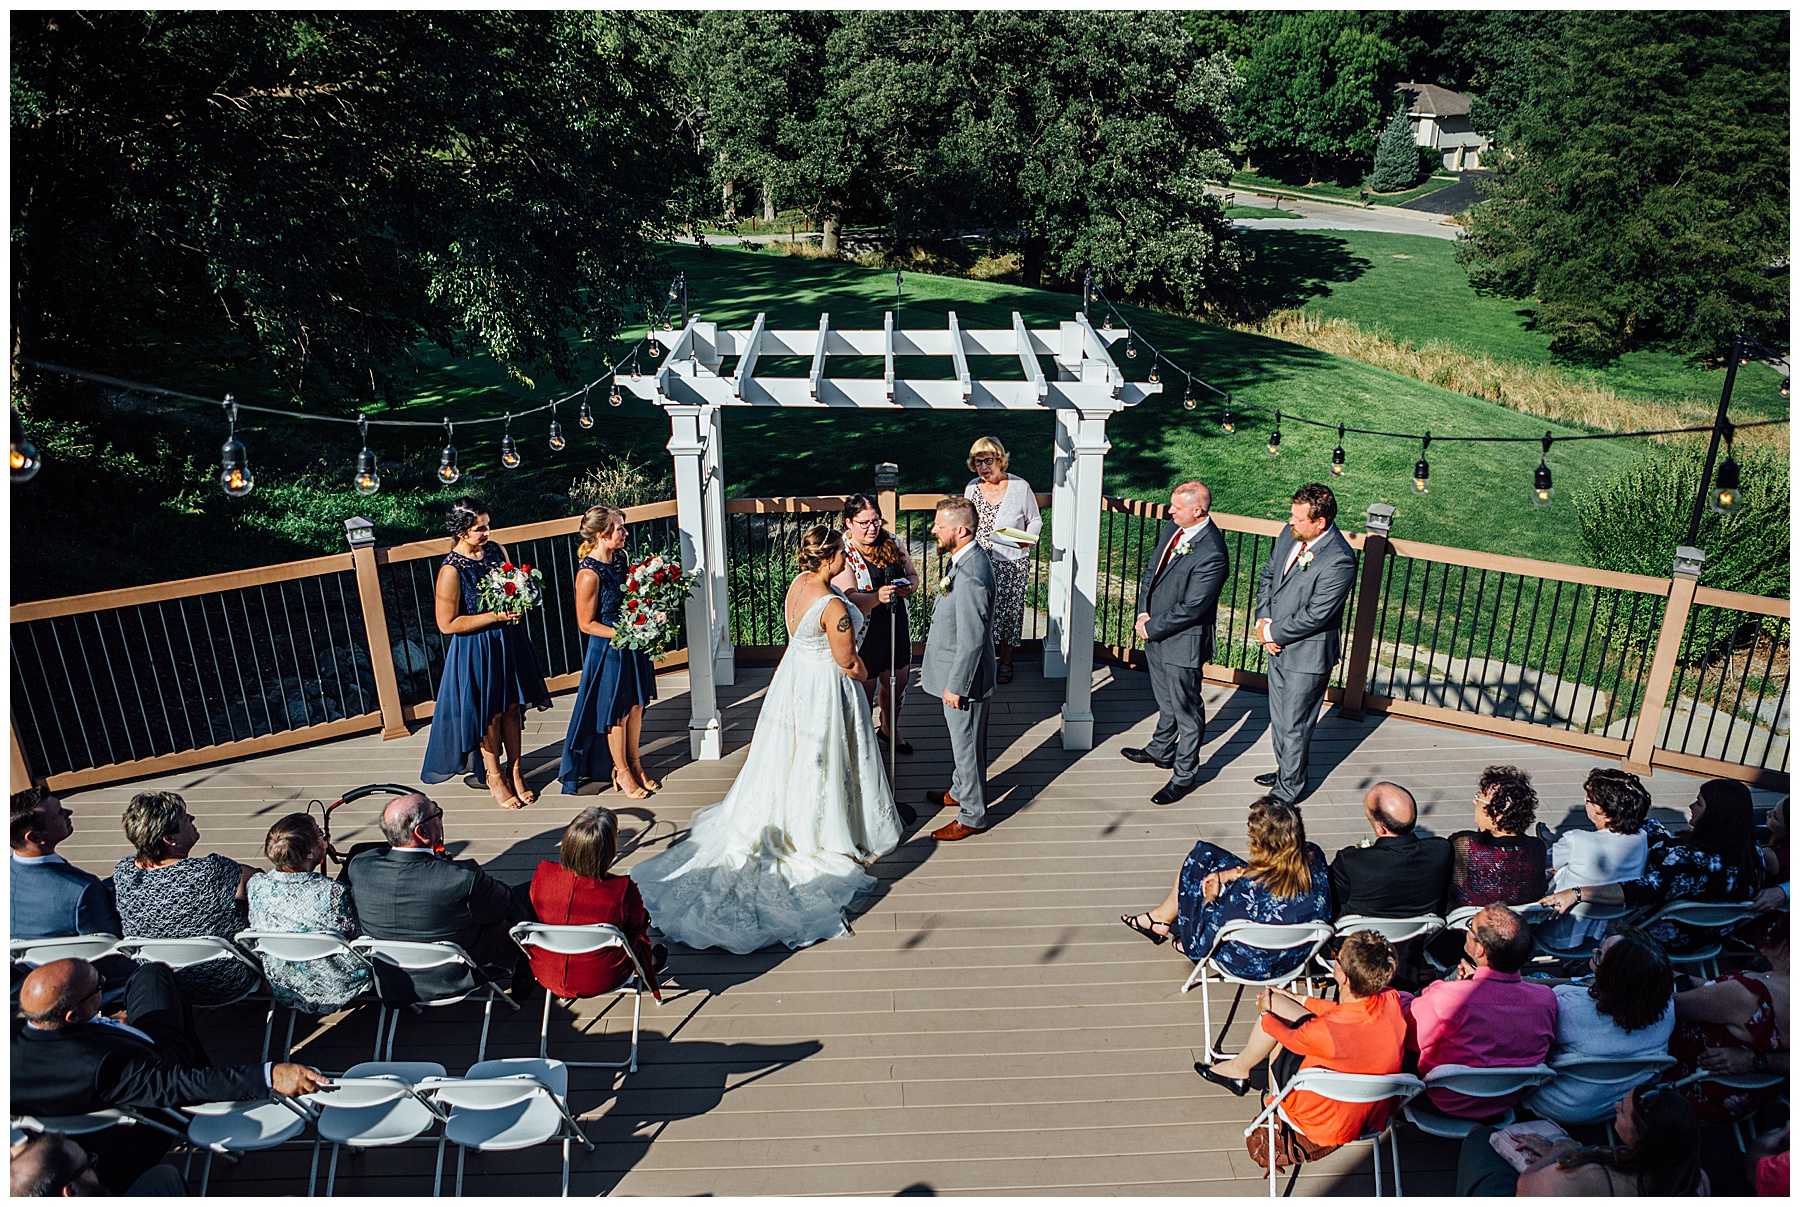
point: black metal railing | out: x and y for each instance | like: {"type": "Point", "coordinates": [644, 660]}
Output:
{"type": "Point", "coordinates": [1729, 696]}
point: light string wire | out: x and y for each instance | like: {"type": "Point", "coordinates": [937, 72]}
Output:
{"type": "Point", "coordinates": [1158, 357]}
{"type": "Point", "coordinates": [139, 387]}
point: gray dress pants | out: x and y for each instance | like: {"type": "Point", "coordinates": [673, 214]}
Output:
{"type": "Point", "coordinates": [969, 747]}
{"type": "Point", "coordinates": [1294, 700]}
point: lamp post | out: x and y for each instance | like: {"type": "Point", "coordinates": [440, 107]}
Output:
{"type": "Point", "coordinates": [1719, 426]}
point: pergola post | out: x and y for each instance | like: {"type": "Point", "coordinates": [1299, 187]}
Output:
{"type": "Point", "coordinates": [690, 430]}
{"type": "Point", "coordinates": [1062, 528]}
{"type": "Point", "coordinates": [724, 654]}
{"type": "Point", "coordinates": [1086, 474]}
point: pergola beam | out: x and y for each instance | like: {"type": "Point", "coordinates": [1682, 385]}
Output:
{"type": "Point", "coordinates": [871, 393]}
{"type": "Point", "coordinates": [887, 354]}
{"type": "Point", "coordinates": [1034, 372]}
{"type": "Point", "coordinates": [746, 366]}
{"type": "Point", "coordinates": [818, 362]}
{"type": "Point", "coordinates": [959, 358]}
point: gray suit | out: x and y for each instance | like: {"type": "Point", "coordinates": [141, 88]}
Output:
{"type": "Point", "coordinates": [959, 657]}
{"type": "Point", "coordinates": [1305, 607]}
{"type": "Point", "coordinates": [1182, 600]}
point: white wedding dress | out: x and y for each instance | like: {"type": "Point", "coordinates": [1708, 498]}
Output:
{"type": "Point", "coordinates": [779, 859]}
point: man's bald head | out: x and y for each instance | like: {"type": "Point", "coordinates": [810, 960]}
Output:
{"type": "Point", "coordinates": [1188, 503]}
{"type": "Point", "coordinates": [1196, 490]}
{"type": "Point", "coordinates": [1503, 937]}
{"type": "Point", "coordinates": [54, 994]}
{"type": "Point", "coordinates": [50, 1165]}
{"type": "Point", "coordinates": [405, 814]}
{"type": "Point", "coordinates": [1391, 807]}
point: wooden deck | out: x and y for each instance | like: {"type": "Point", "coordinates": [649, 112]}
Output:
{"type": "Point", "coordinates": [990, 1028]}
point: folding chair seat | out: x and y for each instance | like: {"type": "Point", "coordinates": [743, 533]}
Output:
{"type": "Point", "coordinates": [32, 952]}
{"type": "Point", "coordinates": [186, 953]}
{"type": "Point", "coordinates": [1263, 935]}
{"type": "Point", "coordinates": [1476, 1083]}
{"type": "Point", "coordinates": [1584, 909]}
{"type": "Point", "coordinates": [375, 1105]}
{"type": "Point", "coordinates": [1708, 916]}
{"type": "Point", "coordinates": [1616, 1075]}
{"type": "Point", "coordinates": [296, 949]}
{"type": "Point", "coordinates": [584, 940]}
{"type": "Point", "coordinates": [502, 1105]}
{"type": "Point", "coordinates": [230, 1128]}
{"type": "Point", "coordinates": [444, 970]}
{"type": "Point", "coordinates": [1342, 1087]}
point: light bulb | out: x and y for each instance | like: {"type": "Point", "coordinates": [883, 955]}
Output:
{"type": "Point", "coordinates": [1337, 461]}
{"type": "Point", "coordinates": [1228, 426]}
{"type": "Point", "coordinates": [615, 398]}
{"type": "Point", "coordinates": [1275, 443]}
{"type": "Point", "coordinates": [587, 416]}
{"type": "Point", "coordinates": [668, 325]}
{"type": "Point", "coordinates": [1153, 377]}
{"type": "Point", "coordinates": [1421, 481]}
{"type": "Point", "coordinates": [368, 475]}
{"type": "Point", "coordinates": [556, 437]}
{"type": "Point", "coordinates": [1130, 349]}
{"type": "Point", "coordinates": [1726, 497]}
{"type": "Point", "coordinates": [25, 462]}
{"type": "Point", "coordinates": [509, 452]}
{"type": "Point", "coordinates": [1542, 491]}
{"type": "Point", "coordinates": [1784, 387]}
{"type": "Point", "coordinates": [448, 474]}
{"type": "Point", "coordinates": [1188, 402]}
{"type": "Point", "coordinates": [1106, 323]}
{"type": "Point", "coordinates": [234, 469]}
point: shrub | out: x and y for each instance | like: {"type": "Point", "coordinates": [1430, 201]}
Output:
{"type": "Point", "coordinates": [1396, 156]}
{"type": "Point", "coordinates": [621, 480]}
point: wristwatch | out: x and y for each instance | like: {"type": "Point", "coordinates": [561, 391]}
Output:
{"type": "Point", "coordinates": [1760, 1062]}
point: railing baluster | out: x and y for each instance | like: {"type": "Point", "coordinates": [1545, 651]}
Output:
{"type": "Point", "coordinates": [162, 702]}
{"type": "Point", "coordinates": [86, 741]}
{"type": "Point", "coordinates": [1762, 760]}
{"type": "Point", "coordinates": [1700, 685]}
{"type": "Point", "coordinates": [118, 695]}
{"type": "Point", "coordinates": [42, 762]}
{"type": "Point", "coordinates": [1737, 705]}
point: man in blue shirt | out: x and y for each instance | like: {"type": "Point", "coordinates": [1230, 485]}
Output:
{"type": "Point", "coordinates": [51, 897]}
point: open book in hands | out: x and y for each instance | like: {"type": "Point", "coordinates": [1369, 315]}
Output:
{"type": "Point", "coordinates": [1507, 1143]}
{"type": "Point", "coordinates": [1015, 536]}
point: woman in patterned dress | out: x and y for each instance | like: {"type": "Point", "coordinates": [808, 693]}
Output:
{"type": "Point", "coordinates": [490, 670]}
{"type": "Point", "coordinates": [616, 684]}
{"type": "Point", "coordinates": [874, 562]}
{"type": "Point", "coordinates": [1003, 500]}
{"type": "Point", "coordinates": [296, 898]}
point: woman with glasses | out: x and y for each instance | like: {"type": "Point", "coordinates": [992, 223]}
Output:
{"type": "Point", "coordinates": [875, 565]}
{"type": "Point", "coordinates": [1003, 500]}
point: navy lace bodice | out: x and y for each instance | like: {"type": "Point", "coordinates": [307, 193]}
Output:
{"type": "Point", "coordinates": [612, 584]}
{"type": "Point", "coordinates": [471, 572]}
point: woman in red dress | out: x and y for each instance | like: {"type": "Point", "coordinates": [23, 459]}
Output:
{"type": "Point", "coordinates": [579, 890]}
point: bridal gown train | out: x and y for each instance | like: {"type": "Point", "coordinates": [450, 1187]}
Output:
{"type": "Point", "coordinates": [779, 859]}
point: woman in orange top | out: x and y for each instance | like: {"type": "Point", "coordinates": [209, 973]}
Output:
{"type": "Point", "coordinates": [579, 890]}
{"type": "Point", "coordinates": [1363, 1031]}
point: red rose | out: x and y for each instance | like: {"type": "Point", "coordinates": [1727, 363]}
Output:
{"type": "Point", "coordinates": [512, 588]}
{"type": "Point", "coordinates": [525, 569]}
{"type": "Point", "coordinates": [507, 566]}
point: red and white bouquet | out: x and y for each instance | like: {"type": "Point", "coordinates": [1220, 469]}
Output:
{"type": "Point", "coordinates": [655, 589]}
{"type": "Point", "coordinates": [512, 588]}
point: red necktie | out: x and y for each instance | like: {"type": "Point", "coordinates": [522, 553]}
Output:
{"type": "Point", "coordinates": [1168, 556]}
{"type": "Point", "coordinates": [1295, 559]}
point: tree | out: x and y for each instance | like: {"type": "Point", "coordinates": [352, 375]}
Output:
{"type": "Point", "coordinates": [1396, 156]}
{"type": "Point", "coordinates": [324, 190]}
{"type": "Point", "coordinates": [1500, 56]}
{"type": "Point", "coordinates": [1318, 86]}
{"type": "Point", "coordinates": [1645, 199]}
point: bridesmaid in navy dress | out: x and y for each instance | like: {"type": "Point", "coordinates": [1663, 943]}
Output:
{"type": "Point", "coordinates": [602, 743]}
{"type": "Point", "coordinates": [490, 670]}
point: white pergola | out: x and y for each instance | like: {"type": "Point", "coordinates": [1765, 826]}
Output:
{"type": "Point", "coordinates": [1088, 387]}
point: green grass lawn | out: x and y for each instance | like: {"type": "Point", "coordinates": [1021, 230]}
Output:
{"type": "Point", "coordinates": [1411, 287]}
{"type": "Point", "coordinates": [1257, 212]}
{"type": "Point", "coordinates": [1324, 191]}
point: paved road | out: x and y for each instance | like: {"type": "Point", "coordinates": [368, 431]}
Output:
{"type": "Point", "coordinates": [1322, 215]}
{"type": "Point", "coordinates": [1452, 198]}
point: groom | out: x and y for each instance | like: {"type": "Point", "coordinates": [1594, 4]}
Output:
{"type": "Point", "coordinates": [959, 664]}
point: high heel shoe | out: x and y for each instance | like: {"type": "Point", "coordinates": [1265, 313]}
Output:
{"type": "Point", "coordinates": [1131, 921]}
{"type": "Point", "coordinates": [496, 779]}
{"type": "Point", "coordinates": [640, 794]}
{"type": "Point", "coordinates": [648, 784]}
{"type": "Point", "coordinates": [525, 795]}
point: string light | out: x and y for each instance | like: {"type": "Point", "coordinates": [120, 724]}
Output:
{"type": "Point", "coordinates": [615, 398]}
{"type": "Point", "coordinates": [587, 416]}
{"type": "Point", "coordinates": [1337, 455]}
{"type": "Point", "coordinates": [368, 474]}
{"type": "Point", "coordinates": [1187, 399]}
{"type": "Point", "coordinates": [1275, 437]}
{"type": "Point", "coordinates": [1542, 488]}
{"type": "Point", "coordinates": [25, 462]}
{"type": "Point", "coordinates": [1106, 323]}
{"type": "Point", "coordinates": [1421, 480]}
{"type": "Point", "coordinates": [234, 460]}
{"type": "Point", "coordinates": [509, 452]}
{"type": "Point", "coordinates": [1228, 426]}
{"type": "Point", "coordinates": [1784, 387]}
{"type": "Point", "coordinates": [556, 437]}
{"type": "Point", "coordinates": [1153, 377]}
{"type": "Point", "coordinates": [447, 471]}
{"type": "Point", "coordinates": [1130, 346]}
{"type": "Point", "coordinates": [1725, 497]}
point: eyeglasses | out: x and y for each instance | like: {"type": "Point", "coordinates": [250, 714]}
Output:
{"type": "Point", "coordinates": [983, 460]}
{"type": "Point", "coordinates": [873, 521]}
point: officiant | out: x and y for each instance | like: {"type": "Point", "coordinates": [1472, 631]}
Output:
{"type": "Point", "coordinates": [878, 576]}
{"type": "Point", "coordinates": [1003, 500]}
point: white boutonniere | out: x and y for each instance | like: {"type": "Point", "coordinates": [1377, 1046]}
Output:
{"type": "Point", "coordinates": [1306, 557]}
{"type": "Point", "coordinates": [944, 585]}
{"type": "Point", "coordinates": [1182, 550]}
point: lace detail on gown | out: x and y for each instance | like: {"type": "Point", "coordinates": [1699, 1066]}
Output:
{"type": "Point", "coordinates": [779, 859]}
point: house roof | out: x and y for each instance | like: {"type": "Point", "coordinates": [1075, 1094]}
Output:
{"type": "Point", "coordinates": [1429, 100]}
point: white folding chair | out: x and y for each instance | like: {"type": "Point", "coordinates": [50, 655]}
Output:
{"type": "Point", "coordinates": [1343, 1087]}
{"type": "Point", "coordinates": [294, 948]}
{"type": "Point", "coordinates": [1397, 931]}
{"type": "Point", "coordinates": [1742, 1130]}
{"type": "Point", "coordinates": [375, 1105]}
{"type": "Point", "coordinates": [584, 940]}
{"type": "Point", "coordinates": [1615, 1075]}
{"type": "Point", "coordinates": [1582, 909]}
{"type": "Point", "coordinates": [1266, 936]}
{"type": "Point", "coordinates": [1530, 911]}
{"type": "Point", "coordinates": [411, 958]}
{"type": "Point", "coordinates": [95, 1121]}
{"type": "Point", "coordinates": [32, 952]}
{"type": "Point", "coordinates": [1703, 915]}
{"type": "Point", "coordinates": [191, 952]}
{"type": "Point", "coordinates": [1476, 1083]}
{"type": "Point", "coordinates": [500, 1105]}
{"type": "Point", "coordinates": [230, 1128]}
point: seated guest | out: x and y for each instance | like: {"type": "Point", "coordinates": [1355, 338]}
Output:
{"type": "Point", "coordinates": [1626, 1014]}
{"type": "Point", "coordinates": [1615, 849]}
{"type": "Point", "coordinates": [581, 890]}
{"type": "Point", "coordinates": [1364, 1031]}
{"type": "Point", "coordinates": [49, 1165]}
{"type": "Point", "coordinates": [1658, 1154]}
{"type": "Point", "coordinates": [409, 891]}
{"type": "Point", "coordinates": [1397, 874]}
{"type": "Point", "coordinates": [1284, 882]}
{"type": "Point", "coordinates": [1499, 862]}
{"type": "Point", "coordinates": [1486, 1017]}
{"type": "Point", "coordinates": [1775, 844]}
{"type": "Point", "coordinates": [296, 898]}
{"type": "Point", "coordinates": [69, 1060]}
{"type": "Point", "coordinates": [164, 893]}
{"type": "Point", "coordinates": [51, 897]}
{"type": "Point", "coordinates": [1735, 1024]}
{"type": "Point", "coordinates": [1766, 1163]}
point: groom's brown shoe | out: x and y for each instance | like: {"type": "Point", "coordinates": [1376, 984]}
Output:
{"type": "Point", "coordinates": [956, 830]}
{"type": "Point", "coordinates": [942, 800]}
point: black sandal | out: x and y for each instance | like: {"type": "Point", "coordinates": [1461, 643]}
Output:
{"type": "Point", "coordinates": [1004, 674]}
{"type": "Point", "coordinates": [1131, 921]}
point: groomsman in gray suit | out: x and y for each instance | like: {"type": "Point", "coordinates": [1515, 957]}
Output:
{"type": "Point", "coordinates": [958, 666]}
{"type": "Point", "coordinates": [1299, 610]}
{"type": "Point", "coordinates": [1177, 611]}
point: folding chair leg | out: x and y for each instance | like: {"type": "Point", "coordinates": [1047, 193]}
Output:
{"type": "Point", "coordinates": [268, 1028]}
{"type": "Point", "coordinates": [1394, 1145]}
{"type": "Point", "coordinates": [487, 1016]}
{"type": "Point", "coordinates": [437, 1174]}
{"type": "Point", "coordinates": [380, 1031]}
{"type": "Point", "coordinates": [1377, 1148]}
{"type": "Point", "coordinates": [1271, 1154]}
{"type": "Point", "coordinates": [206, 1174]}
{"type": "Point", "coordinates": [544, 1028]}
{"type": "Point", "coordinates": [637, 1014]}
{"type": "Point", "coordinates": [331, 1175]}
{"type": "Point", "coordinates": [462, 1155]}
{"type": "Point", "coordinates": [287, 1049]}
{"type": "Point", "coordinates": [312, 1175]}
{"type": "Point", "coordinates": [565, 1189]}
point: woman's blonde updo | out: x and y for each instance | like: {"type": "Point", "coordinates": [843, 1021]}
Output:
{"type": "Point", "coordinates": [596, 522]}
{"type": "Point", "coordinates": [820, 544]}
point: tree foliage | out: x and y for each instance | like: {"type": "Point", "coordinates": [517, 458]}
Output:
{"type": "Point", "coordinates": [1319, 85]}
{"type": "Point", "coordinates": [1396, 156]}
{"type": "Point", "coordinates": [324, 189]}
{"type": "Point", "coordinates": [1645, 202]}
{"type": "Point", "coordinates": [1501, 57]}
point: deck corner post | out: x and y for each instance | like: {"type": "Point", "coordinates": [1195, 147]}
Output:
{"type": "Point", "coordinates": [1375, 550]}
{"type": "Point", "coordinates": [1683, 583]}
{"type": "Point", "coordinates": [363, 555]}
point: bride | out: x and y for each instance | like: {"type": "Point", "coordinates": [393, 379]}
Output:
{"type": "Point", "coordinates": [781, 856]}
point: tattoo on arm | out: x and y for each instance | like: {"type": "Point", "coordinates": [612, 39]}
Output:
{"type": "Point", "coordinates": [843, 624]}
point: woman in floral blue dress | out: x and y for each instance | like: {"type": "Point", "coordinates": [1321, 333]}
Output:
{"type": "Point", "coordinates": [1285, 881]}
{"type": "Point", "coordinates": [616, 684]}
{"type": "Point", "coordinates": [296, 898]}
{"type": "Point", "coordinates": [490, 670]}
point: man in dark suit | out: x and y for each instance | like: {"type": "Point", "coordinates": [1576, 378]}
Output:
{"type": "Point", "coordinates": [410, 891]}
{"type": "Point", "coordinates": [1299, 609]}
{"type": "Point", "coordinates": [50, 896]}
{"type": "Point", "coordinates": [1177, 611]}
{"type": "Point", "coordinates": [68, 1060]}
{"type": "Point", "coordinates": [1396, 875]}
